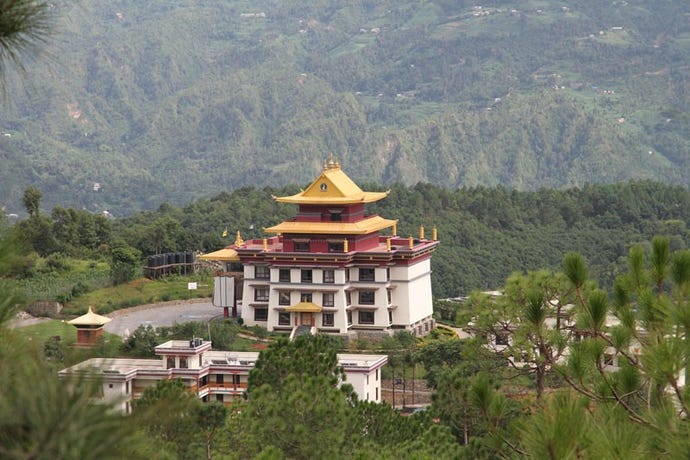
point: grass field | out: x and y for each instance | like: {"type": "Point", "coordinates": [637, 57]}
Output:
{"type": "Point", "coordinates": [140, 292]}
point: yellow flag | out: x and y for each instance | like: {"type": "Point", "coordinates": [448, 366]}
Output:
{"type": "Point", "coordinates": [225, 232]}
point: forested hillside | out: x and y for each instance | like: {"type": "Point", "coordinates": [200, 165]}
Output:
{"type": "Point", "coordinates": [485, 233]}
{"type": "Point", "coordinates": [168, 101]}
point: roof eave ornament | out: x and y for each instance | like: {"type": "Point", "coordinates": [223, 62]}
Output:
{"type": "Point", "coordinates": [331, 163]}
{"type": "Point", "coordinates": [239, 241]}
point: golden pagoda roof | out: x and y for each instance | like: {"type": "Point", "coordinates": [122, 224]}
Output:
{"type": "Point", "coordinates": [90, 319]}
{"type": "Point", "coordinates": [362, 227]}
{"type": "Point", "coordinates": [305, 307]}
{"type": "Point", "coordinates": [333, 186]}
{"type": "Point", "coordinates": [225, 255]}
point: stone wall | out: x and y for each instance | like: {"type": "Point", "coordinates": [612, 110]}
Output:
{"type": "Point", "coordinates": [45, 308]}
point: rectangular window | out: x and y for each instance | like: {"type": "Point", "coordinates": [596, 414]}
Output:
{"type": "Point", "coordinates": [170, 363]}
{"type": "Point", "coordinates": [329, 276]}
{"type": "Point", "coordinates": [349, 318]}
{"type": "Point", "coordinates": [301, 246]}
{"type": "Point", "coordinates": [261, 294]}
{"type": "Point", "coordinates": [262, 272]}
{"type": "Point", "coordinates": [327, 319]}
{"type": "Point", "coordinates": [366, 317]}
{"type": "Point", "coordinates": [183, 362]}
{"type": "Point", "coordinates": [235, 379]}
{"type": "Point", "coordinates": [388, 274]}
{"type": "Point", "coordinates": [261, 314]}
{"type": "Point", "coordinates": [347, 275]}
{"type": "Point", "coordinates": [390, 317]}
{"type": "Point", "coordinates": [348, 298]}
{"type": "Point", "coordinates": [284, 275]}
{"type": "Point", "coordinates": [335, 246]}
{"type": "Point", "coordinates": [336, 215]}
{"type": "Point", "coordinates": [219, 378]}
{"type": "Point", "coordinates": [305, 297]}
{"type": "Point", "coordinates": [366, 297]}
{"type": "Point", "coordinates": [284, 318]}
{"type": "Point", "coordinates": [306, 276]}
{"type": "Point", "coordinates": [389, 295]}
{"type": "Point", "coordinates": [327, 299]}
{"type": "Point", "coordinates": [219, 398]}
{"type": "Point", "coordinates": [283, 298]}
{"type": "Point", "coordinates": [366, 274]}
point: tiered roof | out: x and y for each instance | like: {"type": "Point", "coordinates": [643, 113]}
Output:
{"type": "Point", "coordinates": [333, 186]}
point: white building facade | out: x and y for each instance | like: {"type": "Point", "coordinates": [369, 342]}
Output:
{"type": "Point", "coordinates": [211, 375]}
{"type": "Point", "coordinates": [334, 269]}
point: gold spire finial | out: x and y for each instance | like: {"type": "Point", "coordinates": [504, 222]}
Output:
{"type": "Point", "coordinates": [239, 241]}
{"type": "Point", "coordinates": [411, 242]}
{"type": "Point", "coordinates": [388, 244]}
{"type": "Point", "coordinates": [345, 246]}
{"type": "Point", "coordinates": [434, 234]}
{"type": "Point", "coordinates": [265, 244]}
{"type": "Point", "coordinates": [421, 232]}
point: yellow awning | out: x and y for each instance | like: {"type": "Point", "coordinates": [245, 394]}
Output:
{"type": "Point", "coordinates": [363, 227]}
{"type": "Point", "coordinates": [305, 307]}
{"type": "Point", "coordinates": [225, 255]}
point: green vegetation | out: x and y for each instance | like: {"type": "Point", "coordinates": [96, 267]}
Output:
{"type": "Point", "coordinates": [486, 234]}
{"type": "Point", "coordinates": [44, 330]}
{"type": "Point", "coordinates": [225, 335]}
{"type": "Point", "coordinates": [170, 102]}
{"type": "Point", "coordinates": [140, 292]}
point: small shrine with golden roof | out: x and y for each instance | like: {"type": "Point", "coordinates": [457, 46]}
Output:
{"type": "Point", "coordinates": [334, 268]}
{"type": "Point", "coordinates": [89, 327]}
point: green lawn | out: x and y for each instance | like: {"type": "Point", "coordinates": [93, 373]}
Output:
{"type": "Point", "coordinates": [37, 335]}
{"type": "Point", "coordinates": [50, 328]}
{"type": "Point", "coordinates": [140, 292]}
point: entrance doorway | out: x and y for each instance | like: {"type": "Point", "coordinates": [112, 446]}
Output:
{"type": "Point", "coordinates": [307, 319]}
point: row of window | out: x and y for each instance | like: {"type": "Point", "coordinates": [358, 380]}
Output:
{"type": "Point", "coordinates": [327, 319]}
{"type": "Point", "coordinates": [170, 362]}
{"type": "Point", "coordinates": [263, 272]}
{"type": "Point", "coordinates": [305, 246]}
{"type": "Point", "coordinates": [261, 294]}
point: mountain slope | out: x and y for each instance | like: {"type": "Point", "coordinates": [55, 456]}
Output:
{"type": "Point", "coordinates": [168, 101]}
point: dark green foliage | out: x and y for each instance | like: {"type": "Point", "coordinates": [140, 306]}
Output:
{"type": "Point", "coordinates": [295, 410]}
{"type": "Point", "coordinates": [125, 263]}
{"type": "Point", "coordinates": [485, 233]}
{"type": "Point", "coordinates": [142, 342]}
{"type": "Point", "coordinates": [53, 349]}
{"type": "Point", "coordinates": [169, 412]}
{"type": "Point", "coordinates": [32, 201]}
{"type": "Point", "coordinates": [42, 417]}
{"type": "Point", "coordinates": [304, 357]}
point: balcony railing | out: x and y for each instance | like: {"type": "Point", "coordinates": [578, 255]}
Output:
{"type": "Point", "coordinates": [215, 386]}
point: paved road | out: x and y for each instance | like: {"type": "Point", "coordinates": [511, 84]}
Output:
{"type": "Point", "coordinates": [165, 314]}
